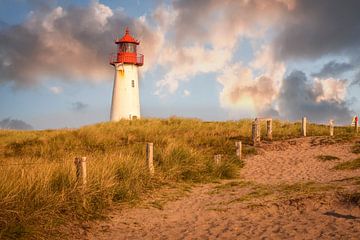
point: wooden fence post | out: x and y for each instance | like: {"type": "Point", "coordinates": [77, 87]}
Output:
{"type": "Point", "coordinates": [150, 157]}
{"type": "Point", "coordinates": [217, 159]}
{"type": "Point", "coordinates": [80, 163]}
{"type": "Point", "coordinates": [256, 132]}
{"type": "Point", "coordinates": [303, 127]}
{"type": "Point", "coordinates": [356, 125]}
{"type": "Point", "coordinates": [331, 124]}
{"type": "Point", "coordinates": [238, 149]}
{"type": "Point", "coordinates": [269, 128]}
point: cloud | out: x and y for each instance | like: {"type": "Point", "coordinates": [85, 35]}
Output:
{"type": "Point", "coordinates": [240, 88]}
{"type": "Point", "coordinates": [78, 106]}
{"type": "Point", "coordinates": [330, 89]}
{"type": "Point", "coordinates": [56, 90]}
{"type": "Point", "coordinates": [333, 69]}
{"type": "Point", "coordinates": [9, 123]}
{"type": "Point", "coordinates": [188, 62]}
{"type": "Point", "coordinates": [202, 35]}
{"type": "Point", "coordinates": [220, 23]}
{"type": "Point", "coordinates": [319, 28]}
{"type": "Point", "coordinates": [69, 44]}
{"type": "Point", "coordinates": [184, 38]}
{"type": "Point", "coordinates": [356, 80]}
{"type": "Point", "coordinates": [186, 93]}
{"type": "Point", "coordinates": [256, 85]}
{"type": "Point", "coordinates": [321, 101]}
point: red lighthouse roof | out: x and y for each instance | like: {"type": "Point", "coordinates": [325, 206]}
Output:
{"type": "Point", "coordinates": [127, 38]}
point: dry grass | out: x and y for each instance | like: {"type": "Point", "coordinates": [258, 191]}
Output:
{"type": "Point", "coordinates": [349, 165]}
{"type": "Point", "coordinates": [38, 189]}
{"type": "Point", "coordinates": [326, 158]}
{"type": "Point", "coordinates": [356, 148]}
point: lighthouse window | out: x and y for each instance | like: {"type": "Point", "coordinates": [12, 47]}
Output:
{"type": "Point", "coordinates": [132, 83]}
{"type": "Point", "coordinates": [128, 47]}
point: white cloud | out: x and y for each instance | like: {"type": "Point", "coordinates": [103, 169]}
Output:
{"type": "Point", "coordinates": [186, 93]}
{"type": "Point", "coordinates": [56, 90]}
{"type": "Point", "coordinates": [330, 89]}
{"type": "Point", "coordinates": [187, 62]}
{"type": "Point", "coordinates": [202, 37]}
{"type": "Point", "coordinates": [253, 87]}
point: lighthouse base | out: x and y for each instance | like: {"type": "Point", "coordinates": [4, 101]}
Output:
{"type": "Point", "coordinates": [125, 100]}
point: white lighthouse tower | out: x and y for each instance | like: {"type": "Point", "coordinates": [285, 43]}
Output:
{"type": "Point", "coordinates": [125, 99]}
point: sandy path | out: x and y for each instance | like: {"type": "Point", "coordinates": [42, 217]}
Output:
{"type": "Point", "coordinates": [212, 211]}
{"type": "Point", "coordinates": [295, 161]}
{"type": "Point", "coordinates": [195, 217]}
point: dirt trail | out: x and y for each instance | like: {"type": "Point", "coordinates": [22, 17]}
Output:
{"type": "Point", "coordinates": [295, 161]}
{"type": "Point", "coordinates": [242, 210]}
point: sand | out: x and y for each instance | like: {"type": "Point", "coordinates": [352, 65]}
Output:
{"type": "Point", "coordinates": [295, 161]}
{"type": "Point", "coordinates": [224, 210]}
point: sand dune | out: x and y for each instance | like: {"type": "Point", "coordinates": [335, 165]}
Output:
{"type": "Point", "coordinates": [295, 161]}
{"type": "Point", "coordinates": [256, 206]}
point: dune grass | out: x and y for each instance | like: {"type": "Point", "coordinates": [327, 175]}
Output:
{"type": "Point", "coordinates": [39, 192]}
{"type": "Point", "coordinates": [349, 165]}
{"type": "Point", "coordinates": [326, 158]}
{"type": "Point", "coordinates": [356, 148]}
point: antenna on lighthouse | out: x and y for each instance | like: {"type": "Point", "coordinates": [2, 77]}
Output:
{"type": "Point", "coordinates": [126, 61]}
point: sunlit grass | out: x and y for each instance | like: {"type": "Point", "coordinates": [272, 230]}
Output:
{"type": "Point", "coordinates": [37, 198]}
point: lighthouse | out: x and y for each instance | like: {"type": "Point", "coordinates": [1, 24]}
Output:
{"type": "Point", "coordinates": [125, 99]}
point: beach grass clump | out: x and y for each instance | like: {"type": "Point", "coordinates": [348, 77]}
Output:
{"type": "Point", "coordinates": [356, 148]}
{"type": "Point", "coordinates": [303, 188]}
{"type": "Point", "coordinates": [352, 198]}
{"type": "Point", "coordinates": [326, 158]}
{"type": "Point", "coordinates": [349, 165]}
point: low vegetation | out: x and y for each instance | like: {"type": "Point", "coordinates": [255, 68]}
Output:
{"type": "Point", "coordinates": [281, 191]}
{"type": "Point", "coordinates": [325, 158]}
{"type": "Point", "coordinates": [38, 188]}
{"type": "Point", "coordinates": [352, 198]}
{"type": "Point", "coordinates": [349, 165]}
{"type": "Point", "coordinates": [356, 148]}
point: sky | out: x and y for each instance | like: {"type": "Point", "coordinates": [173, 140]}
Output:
{"type": "Point", "coordinates": [208, 59]}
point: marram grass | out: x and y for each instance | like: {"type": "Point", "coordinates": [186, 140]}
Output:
{"type": "Point", "coordinates": [38, 190]}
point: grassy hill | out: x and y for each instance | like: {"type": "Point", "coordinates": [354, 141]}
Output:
{"type": "Point", "coordinates": [38, 188]}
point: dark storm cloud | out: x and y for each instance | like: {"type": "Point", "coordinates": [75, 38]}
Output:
{"type": "Point", "coordinates": [69, 44]}
{"type": "Point", "coordinates": [9, 123]}
{"type": "Point", "coordinates": [298, 99]}
{"type": "Point", "coordinates": [317, 28]}
{"type": "Point", "coordinates": [78, 106]}
{"type": "Point", "coordinates": [333, 69]}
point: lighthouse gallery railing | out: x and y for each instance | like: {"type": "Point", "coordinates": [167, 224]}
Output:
{"type": "Point", "coordinates": [137, 59]}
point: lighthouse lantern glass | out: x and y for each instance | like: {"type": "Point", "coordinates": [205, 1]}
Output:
{"type": "Point", "coordinates": [127, 47]}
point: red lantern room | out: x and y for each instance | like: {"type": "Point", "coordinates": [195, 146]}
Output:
{"type": "Point", "coordinates": [126, 52]}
